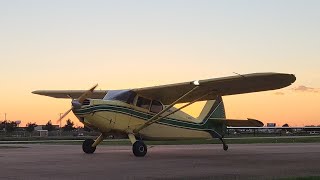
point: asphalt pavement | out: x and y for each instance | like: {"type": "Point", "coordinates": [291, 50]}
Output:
{"type": "Point", "coordinates": [245, 161]}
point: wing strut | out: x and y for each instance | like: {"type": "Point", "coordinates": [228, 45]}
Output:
{"type": "Point", "coordinates": [184, 106]}
{"type": "Point", "coordinates": [155, 117]}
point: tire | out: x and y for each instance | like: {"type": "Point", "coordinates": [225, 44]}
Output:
{"type": "Point", "coordinates": [87, 146]}
{"type": "Point", "coordinates": [225, 147]}
{"type": "Point", "coordinates": [139, 149]}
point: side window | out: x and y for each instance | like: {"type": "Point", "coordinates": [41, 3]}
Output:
{"type": "Point", "coordinates": [156, 106]}
{"type": "Point", "coordinates": [131, 98]}
{"type": "Point", "coordinates": [143, 102]}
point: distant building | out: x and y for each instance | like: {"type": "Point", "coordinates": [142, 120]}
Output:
{"type": "Point", "coordinates": [271, 124]}
{"type": "Point", "coordinates": [43, 133]}
{"type": "Point", "coordinates": [40, 127]}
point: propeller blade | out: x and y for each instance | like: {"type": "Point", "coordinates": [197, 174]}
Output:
{"type": "Point", "coordinates": [64, 115]}
{"type": "Point", "coordinates": [86, 94]}
{"type": "Point", "coordinates": [78, 102]}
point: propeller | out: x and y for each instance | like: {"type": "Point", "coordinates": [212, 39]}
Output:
{"type": "Point", "coordinates": [77, 103]}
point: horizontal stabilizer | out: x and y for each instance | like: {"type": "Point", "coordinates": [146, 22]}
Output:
{"type": "Point", "coordinates": [243, 123]}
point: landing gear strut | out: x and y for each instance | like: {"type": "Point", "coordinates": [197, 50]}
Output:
{"type": "Point", "coordinates": [217, 135]}
{"type": "Point", "coordinates": [139, 148]}
{"type": "Point", "coordinates": [225, 146]}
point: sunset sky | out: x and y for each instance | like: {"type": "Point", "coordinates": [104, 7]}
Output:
{"type": "Point", "coordinates": [74, 44]}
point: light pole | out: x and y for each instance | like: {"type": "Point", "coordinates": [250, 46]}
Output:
{"type": "Point", "coordinates": [60, 123]}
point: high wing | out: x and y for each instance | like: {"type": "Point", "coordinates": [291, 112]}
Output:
{"type": "Point", "coordinates": [73, 94]}
{"type": "Point", "coordinates": [218, 86]}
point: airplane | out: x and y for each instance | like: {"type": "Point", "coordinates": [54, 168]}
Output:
{"type": "Point", "coordinates": [149, 113]}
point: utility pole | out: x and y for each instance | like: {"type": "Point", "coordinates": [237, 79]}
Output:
{"type": "Point", "coordinates": [60, 123]}
{"type": "Point", "coordinates": [5, 116]}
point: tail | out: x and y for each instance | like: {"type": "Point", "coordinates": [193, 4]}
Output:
{"type": "Point", "coordinates": [213, 116]}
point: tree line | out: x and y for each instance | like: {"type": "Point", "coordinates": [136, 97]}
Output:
{"type": "Point", "coordinates": [11, 126]}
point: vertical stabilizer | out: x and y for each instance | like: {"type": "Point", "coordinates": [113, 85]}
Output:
{"type": "Point", "coordinates": [212, 115]}
{"type": "Point", "coordinates": [213, 109]}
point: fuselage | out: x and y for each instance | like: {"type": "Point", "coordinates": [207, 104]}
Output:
{"type": "Point", "coordinates": [107, 115]}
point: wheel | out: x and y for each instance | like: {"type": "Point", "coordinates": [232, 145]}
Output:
{"type": "Point", "coordinates": [87, 146]}
{"type": "Point", "coordinates": [225, 147]}
{"type": "Point", "coordinates": [139, 149]}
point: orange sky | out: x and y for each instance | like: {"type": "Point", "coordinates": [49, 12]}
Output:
{"type": "Point", "coordinates": [296, 108]}
{"type": "Point", "coordinates": [120, 45]}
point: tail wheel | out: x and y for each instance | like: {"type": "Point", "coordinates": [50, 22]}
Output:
{"type": "Point", "coordinates": [225, 147]}
{"type": "Point", "coordinates": [139, 149]}
{"type": "Point", "coordinates": [87, 146]}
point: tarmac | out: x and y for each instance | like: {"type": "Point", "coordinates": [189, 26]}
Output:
{"type": "Point", "coordinates": [247, 161]}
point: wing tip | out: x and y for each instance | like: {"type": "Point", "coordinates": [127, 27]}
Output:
{"type": "Point", "coordinates": [35, 92]}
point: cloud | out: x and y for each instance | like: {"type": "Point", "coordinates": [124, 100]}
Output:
{"type": "Point", "coordinates": [279, 93]}
{"type": "Point", "coordinates": [305, 89]}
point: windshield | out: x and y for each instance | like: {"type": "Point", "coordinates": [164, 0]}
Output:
{"type": "Point", "coordinates": [126, 96]}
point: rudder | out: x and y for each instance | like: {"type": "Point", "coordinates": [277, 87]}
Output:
{"type": "Point", "coordinates": [212, 115]}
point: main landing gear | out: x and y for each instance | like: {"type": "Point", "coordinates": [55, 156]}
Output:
{"type": "Point", "coordinates": [139, 149]}
{"type": "Point", "coordinates": [87, 146]}
{"type": "Point", "coordinates": [90, 145]}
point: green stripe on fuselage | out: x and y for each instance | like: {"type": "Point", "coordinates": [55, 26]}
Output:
{"type": "Point", "coordinates": [203, 126]}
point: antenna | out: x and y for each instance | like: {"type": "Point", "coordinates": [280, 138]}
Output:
{"type": "Point", "coordinates": [239, 74]}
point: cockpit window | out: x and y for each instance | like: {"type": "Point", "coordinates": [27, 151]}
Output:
{"type": "Point", "coordinates": [126, 96]}
{"type": "Point", "coordinates": [156, 106]}
{"type": "Point", "coordinates": [143, 102]}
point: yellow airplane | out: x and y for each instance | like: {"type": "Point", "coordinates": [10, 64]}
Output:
{"type": "Point", "coordinates": [149, 113]}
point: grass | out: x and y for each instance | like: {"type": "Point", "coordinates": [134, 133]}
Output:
{"type": "Point", "coordinates": [274, 140]}
{"type": "Point", "coordinates": [302, 178]}
{"type": "Point", "coordinates": [181, 142]}
{"type": "Point", "coordinates": [11, 147]}
{"type": "Point", "coordinates": [240, 141]}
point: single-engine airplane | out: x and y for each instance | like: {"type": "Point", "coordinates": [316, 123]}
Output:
{"type": "Point", "coordinates": [149, 113]}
